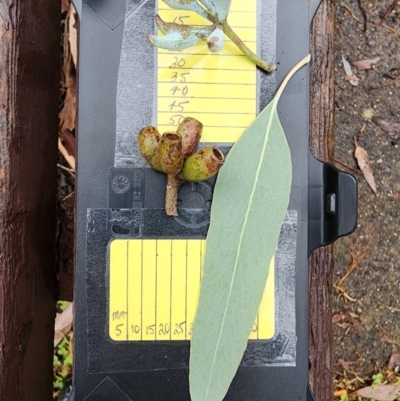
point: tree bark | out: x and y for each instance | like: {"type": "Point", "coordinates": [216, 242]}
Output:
{"type": "Point", "coordinates": [29, 90]}
{"type": "Point", "coordinates": [321, 145]}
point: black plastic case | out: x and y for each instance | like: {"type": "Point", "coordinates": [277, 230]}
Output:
{"type": "Point", "coordinates": [322, 208]}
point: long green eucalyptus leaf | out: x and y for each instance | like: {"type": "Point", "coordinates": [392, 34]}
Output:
{"type": "Point", "coordinates": [191, 5]}
{"type": "Point", "coordinates": [249, 205]}
{"type": "Point", "coordinates": [175, 40]}
{"type": "Point", "coordinates": [221, 8]}
{"type": "Point", "coordinates": [208, 5]}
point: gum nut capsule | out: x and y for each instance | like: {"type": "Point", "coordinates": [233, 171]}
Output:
{"type": "Point", "coordinates": [202, 165]}
{"type": "Point", "coordinates": [190, 130]}
{"type": "Point", "coordinates": [148, 139]}
{"type": "Point", "coordinates": [169, 153]}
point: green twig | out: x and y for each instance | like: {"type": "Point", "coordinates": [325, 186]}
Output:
{"type": "Point", "coordinates": [242, 46]}
{"type": "Point", "coordinates": [245, 50]}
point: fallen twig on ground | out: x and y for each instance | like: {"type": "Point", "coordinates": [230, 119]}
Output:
{"type": "Point", "coordinates": [354, 170]}
{"type": "Point", "coordinates": [388, 12]}
{"type": "Point", "coordinates": [379, 326]}
{"type": "Point", "coordinates": [384, 25]}
{"type": "Point", "coordinates": [358, 250]}
{"type": "Point", "coordinates": [390, 83]}
{"type": "Point", "coordinates": [350, 11]}
{"type": "Point", "coordinates": [364, 14]}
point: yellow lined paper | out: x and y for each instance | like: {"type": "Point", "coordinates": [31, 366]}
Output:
{"type": "Point", "coordinates": [154, 289]}
{"type": "Point", "coordinates": [219, 89]}
{"type": "Point", "coordinates": [134, 284]}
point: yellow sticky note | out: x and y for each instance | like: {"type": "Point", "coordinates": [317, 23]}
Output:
{"type": "Point", "coordinates": [155, 286]}
{"type": "Point", "coordinates": [218, 89]}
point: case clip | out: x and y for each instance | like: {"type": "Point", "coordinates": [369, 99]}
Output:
{"type": "Point", "coordinates": [332, 204]}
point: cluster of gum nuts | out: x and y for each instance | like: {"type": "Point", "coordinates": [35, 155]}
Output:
{"type": "Point", "coordinates": [174, 153]}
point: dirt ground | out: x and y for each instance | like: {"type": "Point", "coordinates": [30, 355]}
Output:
{"type": "Point", "coordinates": [366, 321]}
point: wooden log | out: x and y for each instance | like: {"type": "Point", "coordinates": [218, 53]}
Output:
{"type": "Point", "coordinates": [29, 91]}
{"type": "Point", "coordinates": [66, 248]}
{"type": "Point", "coordinates": [321, 145]}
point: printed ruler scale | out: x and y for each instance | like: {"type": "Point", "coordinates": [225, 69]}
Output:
{"type": "Point", "coordinates": [154, 284]}
{"type": "Point", "coordinates": [154, 289]}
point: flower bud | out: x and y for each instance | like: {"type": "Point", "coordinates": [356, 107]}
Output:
{"type": "Point", "coordinates": [169, 153]}
{"type": "Point", "coordinates": [190, 130]}
{"type": "Point", "coordinates": [202, 165]}
{"type": "Point", "coordinates": [215, 41]}
{"type": "Point", "coordinates": [149, 138]}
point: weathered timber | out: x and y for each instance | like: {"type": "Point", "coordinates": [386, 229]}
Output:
{"type": "Point", "coordinates": [321, 145]}
{"type": "Point", "coordinates": [29, 90]}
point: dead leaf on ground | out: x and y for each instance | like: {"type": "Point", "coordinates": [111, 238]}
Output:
{"type": "Point", "coordinates": [58, 337]}
{"type": "Point", "coordinates": [394, 361]}
{"type": "Point", "coordinates": [63, 323]}
{"type": "Point", "coordinates": [68, 112]}
{"type": "Point", "coordinates": [344, 364]}
{"type": "Point", "coordinates": [353, 315]}
{"type": "Point", "coordinates": [367, 64]}
{"type": "Point", "coordinates": [338, 318]}
{"type": "Point", "coordinates": [340, 393]}
{"type": "Point", "coordinates": [391, 128]}
{"type": "Point", "coordinates": [69, 142]}
{"type": "Point", "coordinates": [343, 325]}
{"type": "Point", "coordinates": [352, 79]}
{"type": "Point", "coordinates": [349, 73]}
{"type": "Point", "coordinates": [65, 4]}
{"type": "Point", "coordinates": [73, 35]}
{"type": "Point", "coordinates": [380, 392]}
{"type": "Point", "coordinates": [386, 339]}
{"type": "Point", "coordinates": [364, 163]}
{"type": "Point", "coordinates": [70, 159]}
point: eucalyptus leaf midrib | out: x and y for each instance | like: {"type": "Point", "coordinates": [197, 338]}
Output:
{"type": "Point", "coordinates": [219, 338]}
{"type": "Point", "coordinates": [238, 250]}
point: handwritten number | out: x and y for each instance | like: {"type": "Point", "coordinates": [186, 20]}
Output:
{"type": "Point", "coordinates": [176, 119]}
{"type": "Point", "coordinates": [172, 105]}
{"type": "Point", "coordinates": [178, 62]}
{"type": "Point", "coordinates": [150, 329]}
{"type": "Point", "coordinates": [118, 330]}
{"type": "Point", "coordinates": [163, 329]}
{"type": "Point", "coordinates": [184, 90]}
{"type": "Point", "coordinates": [180, 328]}
{"type": "Point", "coordinates": [183, 76]}
{"type": "Point", "coordinates": [174, 90]}
{"type": "Point", "coordinates": [179, 105]}
{"type": "Point", "coordinates": [181, 19]}
{"type": "Point", "coordinates": [182, 79]}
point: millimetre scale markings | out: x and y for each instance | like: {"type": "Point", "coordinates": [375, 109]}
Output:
{"type": "Point", "coordinates": [154, 290]}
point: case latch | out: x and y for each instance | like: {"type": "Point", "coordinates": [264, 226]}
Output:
{"type": "Point", "coordinates": [332, 204]}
